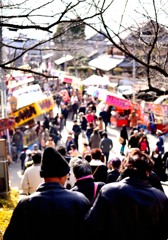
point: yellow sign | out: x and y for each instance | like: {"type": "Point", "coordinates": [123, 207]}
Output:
{"type": "Point", "coordinates": [33, 110]}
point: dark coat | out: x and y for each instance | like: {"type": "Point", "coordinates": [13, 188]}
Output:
{"type": "Point", "coordinates": [65, 112]}
{"type": "Point", "coordinates": [68, 145]}
{"type": "Point", "coordinates": [132, 209]}
{"type": "Point", "coordinates": [51, 211]}
{"type": "Point", "coordinates": [76, 129]}
{"type": "Point", "coordinates": [133, 141]}
{"type": "Point", "coordinates": [124, 134]}
{"type": "Point", "coordinates": [99, 171]}
{"type": "Point", "coordinates": [86, 186]}
{"type": "Point", "coordinates": [83, 124]}
{"type": "Point", "coordinates": [113, 176]}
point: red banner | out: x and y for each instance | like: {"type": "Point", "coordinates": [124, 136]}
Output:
{"type": "Point", "coordinates": [6, 123]}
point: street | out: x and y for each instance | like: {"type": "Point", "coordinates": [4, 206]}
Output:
{"type": "Point", "coordinates": [113, 132]}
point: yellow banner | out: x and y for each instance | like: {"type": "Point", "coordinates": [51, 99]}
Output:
{"type": "Point", "coordinates": [33, 110]}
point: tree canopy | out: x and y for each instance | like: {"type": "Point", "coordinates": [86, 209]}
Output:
{"type": "Point", "coordinates": [117, 19]}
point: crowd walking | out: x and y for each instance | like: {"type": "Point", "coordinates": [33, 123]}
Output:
{"type": "Point", "coordinates": [86, 177]}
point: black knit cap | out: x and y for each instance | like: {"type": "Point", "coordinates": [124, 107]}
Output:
{"type": "Point", "coordinates": [53, 164]}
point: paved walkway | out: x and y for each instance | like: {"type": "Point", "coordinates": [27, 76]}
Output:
{"type": "Point", "coordinates": [113, 132]}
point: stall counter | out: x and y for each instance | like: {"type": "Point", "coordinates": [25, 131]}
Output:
{"type": "Point", "coordinates": [119, 122]}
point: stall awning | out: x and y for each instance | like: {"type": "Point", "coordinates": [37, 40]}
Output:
{"type": "Point", "coordinates": [47, 56]}
{"type": "Point", "coordinates": [33, 110]}
{"type": "Point", "coordinates": [63, 59]}
{"type": "Point", "coordinates": [95, 80]}
{"type": "Point", "coordinates": [106, 62]}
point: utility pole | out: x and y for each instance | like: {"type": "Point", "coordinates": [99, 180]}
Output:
{"type": "Point", "coordinates": [133, 76]}
{"type": "Point", "coordinates": [3, 87]}
{"type": "Point", "coordinates": [3, 161]}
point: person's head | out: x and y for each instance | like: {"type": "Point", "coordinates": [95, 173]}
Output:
{"type": "Point", "coordinates": [135, 132]}
{"type": "Point", "coordinates": [75, 122]}
{"type": "Point", "coordinates": [25, 147]}
{"type": "Point", "coordinates": [36, 158]}
{"type": "Point", "coordinates": [141, 130]}
{"type": "Point", "coordinates": [54, 167]}
{"type": "Point", "coordinates": [115, 163]}
{"type": "Point", "coordinates": [50, 139]}
{"type": "Point", "coordinates": [137, 164]}
{"type": "Point", "coordinates": [62, 150]}
{"type": "Point", "coordinates": [104, 134]}
{"type": "Point", "coordinates": [90, 125]}
{"type": "Point", "coordinates": [143, 138]}
{"type": "Point", "coordinates": [81, 168]}
{"type": "Point", "coordinates": [28, 152]}
{"type": "Point", "coordinates": [69, 137]}
{"type": "Point", "coordinates": [88, 157]}
{"type": "Point", "coordinates": [100, 118]}
{"type": "Point", "coordinates": [96, 153]}
{"type": "Point", "coordinates": [35, 147]}
{"type": "Point", "coordinates": [73, 147]}
{"type": "Point", "coordinates": [96, 130]}
{"type": "Point", "coordinates": [81, 114]}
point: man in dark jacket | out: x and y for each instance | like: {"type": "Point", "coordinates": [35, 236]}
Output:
{"type": "Point", "coordinates": [76, 130]}
{"type": "Point", "coordinates": [106, 145]}
{"type": "Point", "coordinates": [52, 210]}
{"type": "Point", "coordinates": [131, 208]}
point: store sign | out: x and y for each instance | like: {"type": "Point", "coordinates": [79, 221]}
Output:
{"type": "Point", "coordinates": [28, 95]}
{"type": "Point", "coordinates": [67, 80]}
{"type": "Point", "coordinates": [32, 111]}
{"type": "Point", "coordinates": [118, 102]}
{"type": "Point", "coordinates": [6, 123]}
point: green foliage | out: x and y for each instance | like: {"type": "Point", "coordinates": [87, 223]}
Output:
{"type": "Point", "coordinates": [8, 202]}
{"type": "Point", "coordinates": [69, 31]}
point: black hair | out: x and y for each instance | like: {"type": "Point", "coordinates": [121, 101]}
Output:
{"type": "Point", "coordinates": [62, 150]}
{"type": "Point", "coordinates": [36, 158]}
{"type": "Point", "coordinates": [82, 168]}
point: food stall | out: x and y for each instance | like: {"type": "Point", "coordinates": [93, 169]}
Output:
{"type": "Point", "coordinates": [120, 107]}
{"type": "Point", "coordinates": [30, 112]}
{"type": "Point", "coordinates": [160, 111]}
{"type": "Point", "coordinates": [26, 105]}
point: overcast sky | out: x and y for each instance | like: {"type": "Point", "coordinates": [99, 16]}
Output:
{"type": "Point", "coordinates": [134, 10]}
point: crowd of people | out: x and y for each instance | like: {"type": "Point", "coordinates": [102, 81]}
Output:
{"type": "Point", "coordinates": [132, 200]}
{"type": "Point", "coordinates": [91, 123]}
{"type": "Point", "coordinates": [84, 190]}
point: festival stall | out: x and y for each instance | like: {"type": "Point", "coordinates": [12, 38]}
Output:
{"type": "Point", "coordinates": [27, 105]}
{"type": "Point", "coordinates": [160, 111]}
{"type": "Point", "coordinates": [120, 107]}
{"type": "Point", "coordinates": [95, 80]}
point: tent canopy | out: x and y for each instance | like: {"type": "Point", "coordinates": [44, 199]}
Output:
{"type": "Point", "coordinates": [63, 59]}
{"type": "Point", "coordinates": [106, 62]}
{"type": "Point", "coordinates": [95, 80]}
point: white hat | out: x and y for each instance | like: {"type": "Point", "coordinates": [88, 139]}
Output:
{"type": "Point", "coordinates": [28, 151]}
{"type": "Point", "coordinates": [158, 131]}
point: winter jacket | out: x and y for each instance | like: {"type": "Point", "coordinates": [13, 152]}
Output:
{"type": "Point", "coordinates": [50, 212]}
{"type": "Point", "coordinates": [132, 209]}
{"type": "Point", "coordinates": [87, 187]}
